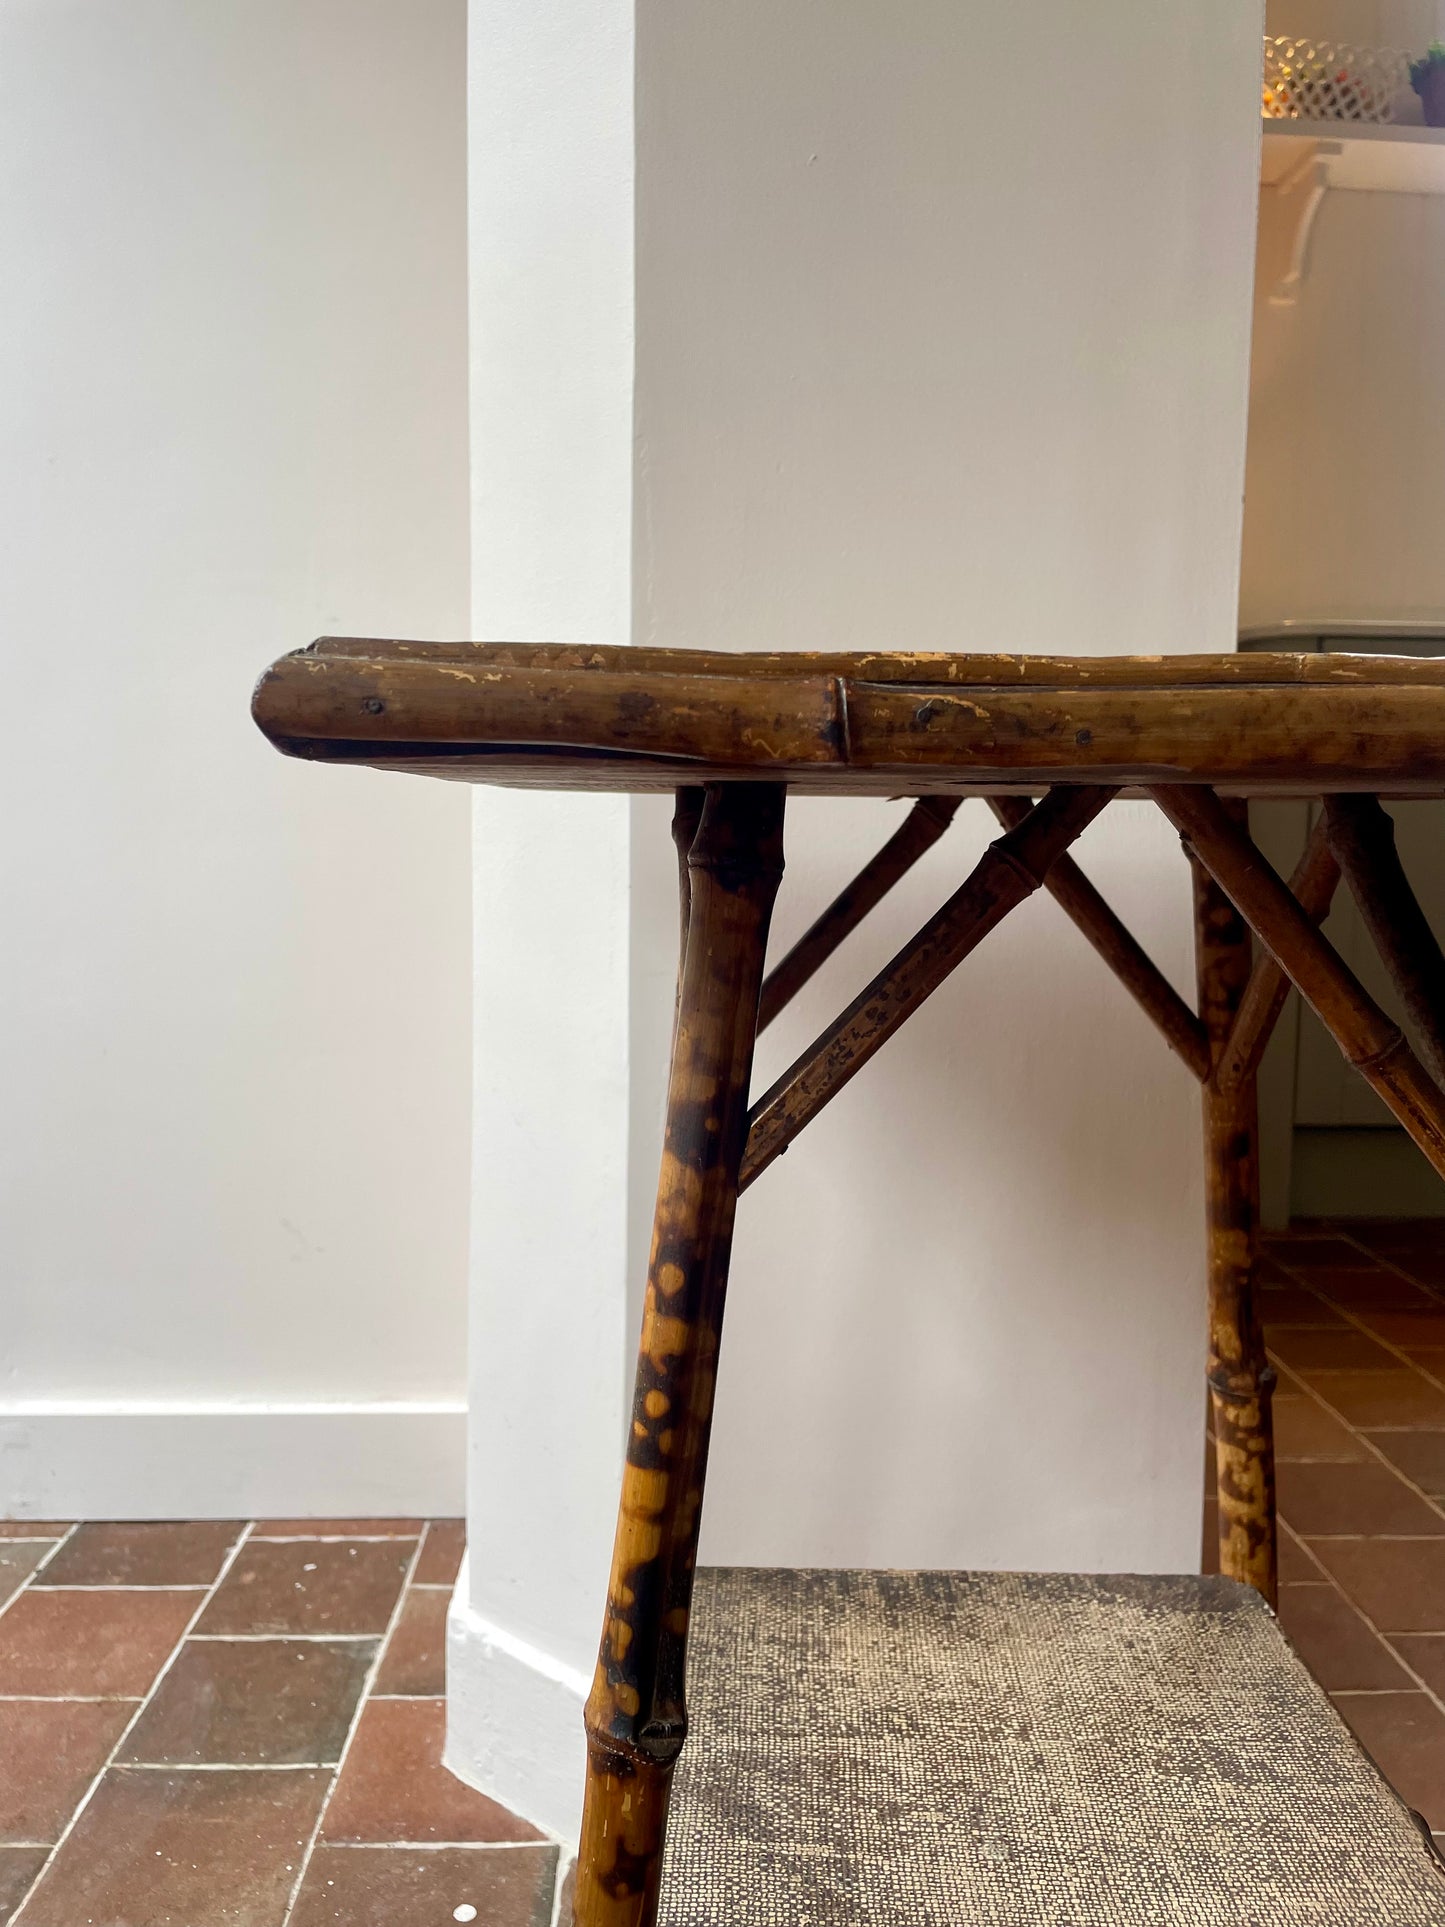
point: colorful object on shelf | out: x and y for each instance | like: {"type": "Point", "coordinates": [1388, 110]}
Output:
{"type": "Point", "coordinates": [1324, 80]}
{"type": "Point", "coordinates": [1427, 77]}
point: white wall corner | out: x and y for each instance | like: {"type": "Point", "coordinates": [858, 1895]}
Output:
{"type": "Point", "coordinates": [514, 1721]}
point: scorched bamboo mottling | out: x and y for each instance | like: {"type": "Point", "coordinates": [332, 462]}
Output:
{"type": "Point", "coordinates": [636, 1713]}
{"type": "Point", "coordinates": [731, 734]}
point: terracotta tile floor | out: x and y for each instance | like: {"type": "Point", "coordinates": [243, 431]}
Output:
{"type": "Point", "coordinates": [240, 1725]}
{"type": "Point", "coordinates": [1355, 1322]}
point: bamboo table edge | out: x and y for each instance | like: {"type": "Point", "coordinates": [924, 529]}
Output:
{"type": "Point", "coordinates": [733, 736]}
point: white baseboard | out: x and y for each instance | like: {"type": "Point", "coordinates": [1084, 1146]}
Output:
{"type": "Point", "coordinates": [514, 1722]}
{"type": "Point", "coordinates": [101, 1459]}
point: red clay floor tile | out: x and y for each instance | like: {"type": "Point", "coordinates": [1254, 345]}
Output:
{"type": "Point", "coordinates": [1424, 1654]}
{"type": "Point", "coordinates": [414, 1663]}
{"type": "Point", "coordinates": [1290, 1306]}
{"type": "Point", "coordinates": [393, 1788]}
{"type": "Point", "coordinates": [1296, 1561]}
{"type": "Point", "coordinates": [441, 1553]}
{"type": "Point", "coordinates": [18, 1559]}
{"type": "Point", "coordinates": [254, 1702]}
{"type": "Point", "coordinates": [1419, 1455]}
{"type": "Point", "coordinates": [427, 1886]}
{"type": "Point", "coordinates": [1399, 1584]}
{"type": "Point", "coordinates": [1422, 1330]}
{"type": "Point", "coordinates": [1404, 1734]}
{"type": "Point", "coordinates": [73, 1643]}
{"type": "Point", "coordinates": [1320, 1248]}
{"type": "Point", "coordinates": [338, 1529]}
{"type": "Point", "coordinates": [1389, 1235]}
{"type": "Point", "coordinates": [1335, 1643]}
{"type": "Point", "coordinates": [50, 1751]}
{"type": "Point", "coordinates": [1345, 1350]}
{"type": "Point", "coordinates": [146, 1553]}
{"type": "Point", "coordinates": [1374, 1400]}
{"type": "Point", "coordinates": [1303, 1429]}
{"type": "Point", "coordinates": [1359, 1291]}
{"type": "Point", "coordinates": [18, 1868]}
{"type": "Point", "coordinates": [1209, 1539]}
{"type": "Point", "coordinates": [309, 1586]}
{"type": "Point", "coordinates": [1329, 1500]}
{"type": "Point", "coordinates": [182, 1849]}
{"type": "Point", "coordinates": [32, 1529]}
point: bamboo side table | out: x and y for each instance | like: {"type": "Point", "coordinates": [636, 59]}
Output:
{"type": "Point", "coordinates": [731, 735]}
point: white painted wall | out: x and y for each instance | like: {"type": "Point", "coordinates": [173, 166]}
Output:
{"type": "Point", "coordinates": [1344, 490]}
{"type": "Point", "coordinates": [550, 221]}
{"type": "Point", "coordinates": [940, 340]}
{"type": "Point", "coordinates": [1344, 503]}
{"type": "Point", "coordinates": [233, 1102]}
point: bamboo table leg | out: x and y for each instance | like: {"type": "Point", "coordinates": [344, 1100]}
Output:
{"type": "Point", "coordinates": [1240, 1377]}
{"type": "Point", "coordinates": [636, 1717]}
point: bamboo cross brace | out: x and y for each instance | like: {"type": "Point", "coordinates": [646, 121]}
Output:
{"type": "Point", "coordinates": [919, 831]}
{"type": "Point", "coordinates": [1363, 1032]}
{"type": "Point", "coordinates": [1120, 949]}
{"type": "Point", "coordinates": [1011, 869]}
{"type": "Point", "coordinates": [1313, 887]}
{"type": "Point", "coordinates": [1362, 838]}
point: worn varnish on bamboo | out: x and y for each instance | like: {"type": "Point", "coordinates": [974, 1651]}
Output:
{"type": "Point", "coordinates": [558, 717]}
{"type": "Point", "coordinates": [1049, 740]}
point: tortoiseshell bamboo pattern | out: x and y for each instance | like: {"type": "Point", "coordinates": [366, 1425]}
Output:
{"type": "Point", "coordinates": [729, 733]}
{"type": "Point", "coordinates": [557, 716]}
{"type": "Point", "coordinates": [1241, 1379]}
{"type": "Point", "coordinates": [636, 1717]}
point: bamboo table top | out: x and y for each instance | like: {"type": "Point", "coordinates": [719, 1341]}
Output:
{"type": "Point", "coordinates": [556, 716]}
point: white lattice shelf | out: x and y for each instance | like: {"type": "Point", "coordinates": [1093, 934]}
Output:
{"type": "Point", "coordinates": [1356, 154]}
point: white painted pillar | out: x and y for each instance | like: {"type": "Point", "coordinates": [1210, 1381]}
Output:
{"type": "Point", "coordinates": [941, 332]}
{"type": "Point", "coordinates": [551, 189]}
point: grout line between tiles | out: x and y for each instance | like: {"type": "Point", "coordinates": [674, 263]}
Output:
{"type": "Point", "coordinates": [361, 1701]}
{"type": "Point", "coordinates": [1282, 1524]}
{"type": "Point", "coordinates": [189, 1586]}
{"type": "Point", "coordinates": [224, 1766]}
{"type": "Point", "coordinates": [336, 1538]}
{"type": "Point", "coordinates": [559, 1881]}
{"type": "Point", "coordinates": [128, 1728]}
{"type": "Point", "coordinates": [1376, 1455]}
{"type": "Point", "coordinates": [318, 1639]}
{"type": "Point", "coordinates": [1401, 1660]}
{"type": "Point", "coordinates": [69, 1699]}
{"type": "Point", "coordinates": [29, 1578]}
{"type": "Point", "coordinates": [1374, 1693]}
{"type": "Point", "coordinates": [1308, 1458]}
{"type": "Point", "coordinates": [1380, 1538]}
{"type": "Point", "coordinates": [431, 1846]}
{"type": "Point", "coordinates": [1389, 1264]}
